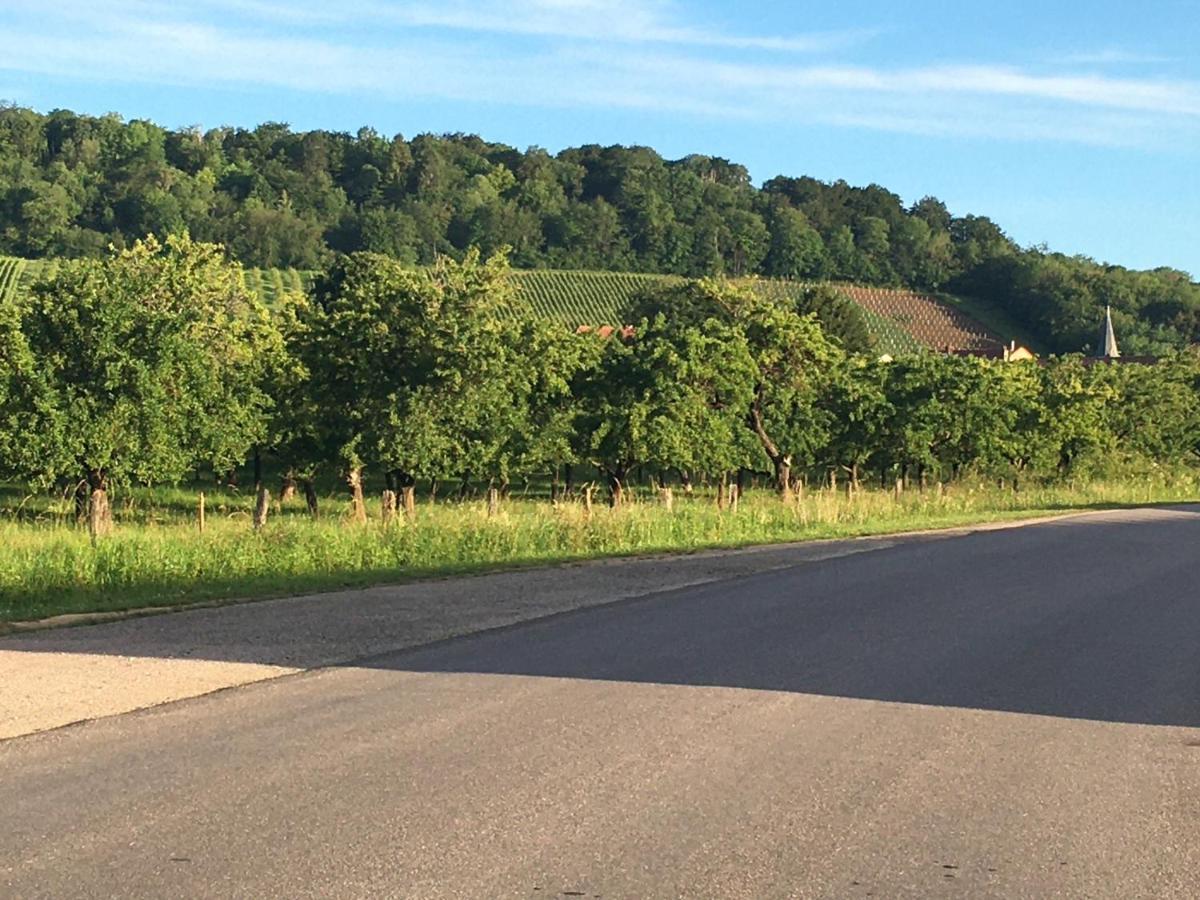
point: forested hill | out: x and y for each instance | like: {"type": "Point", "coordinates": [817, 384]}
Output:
{"type": "Point", "coordinates": [71, 184]}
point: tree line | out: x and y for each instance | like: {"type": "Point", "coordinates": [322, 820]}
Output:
{"type": "Point", "coordinates": [71, 185]}
{"type": "Point", "coordinates": [155, 362]}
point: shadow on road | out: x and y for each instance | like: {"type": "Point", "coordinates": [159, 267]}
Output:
{"type": "Point", "coordinates": [1095, 618]}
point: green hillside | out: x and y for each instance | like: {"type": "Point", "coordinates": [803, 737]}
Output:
{"type": "Point", "coordinates": [603, 298]}
{"type": "Point", "coordinates": [572, 297]}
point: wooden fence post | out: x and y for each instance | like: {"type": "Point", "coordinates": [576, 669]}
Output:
{"type": "Point", "coordinates": [262, 505]}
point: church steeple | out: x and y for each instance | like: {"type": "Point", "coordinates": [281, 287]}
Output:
{"type": "Point", "coordinates": [1110, 349]}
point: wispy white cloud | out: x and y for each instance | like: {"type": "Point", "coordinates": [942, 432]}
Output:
{"type": "Point", "coordinates": [625, 21]}
{"type": "Point", "coordinates": [581, 53]}
{"type": "Point", "coordinates": [1112, 56]}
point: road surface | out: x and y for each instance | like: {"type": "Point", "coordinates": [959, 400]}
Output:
{"type": "Point", "coordinates": [1005, 714]}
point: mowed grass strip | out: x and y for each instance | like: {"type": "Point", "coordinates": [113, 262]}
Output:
{"type": "Point", "coordinates": [48, 568]}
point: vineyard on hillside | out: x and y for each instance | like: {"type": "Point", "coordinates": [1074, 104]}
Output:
{"type": "Point", "coordinates": [10, 274]}
{"type": "Point", "coordinates": [585, 298]}
{"type": "Point", "coordinates": [603, 298]}
{"type": "Point", "coordinates": [18, 276]}
{"type": "Point", "coordinates": [899, 321]}
{"type": "Point", "coordinates": [930, 322]}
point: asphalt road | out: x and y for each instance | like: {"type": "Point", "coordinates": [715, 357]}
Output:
{"type": "Point", "coordinates": [1005, 714]}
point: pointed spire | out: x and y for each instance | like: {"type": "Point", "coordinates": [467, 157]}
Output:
{"type": "Point", "coordinates": [1110, 351]}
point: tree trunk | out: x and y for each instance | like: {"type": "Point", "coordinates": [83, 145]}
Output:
{"type": "Point", "coordinates": [735, 495]}
{"type": "Point", "coordinates": [741, 482]}
{"type": "Point", "coordinates": [493, 502]}
{"type": "Point", "coordinates": [587, 501]}
{"type": "Point", "coordinates": [100, 520]}
{"type": "Point", "coordinates": [310, 496]}
{"type": "Point", "coordinates": [262, 504]}
{"type": "Point", "coordinates": [783, 475]}
{"type": "Point", "coordinates": [722, 490]}
{"type": "Point", "coordinates": [358, 508]}
{"type": "Point", "coordinates": [200, 512]}
{"type": "Point", "coordinates": [408, 496]}
{"type": "Point", "coordinates": [666, 498]}
{"type": "Point", "coordinates": [387, 506]}
{"type": "Point", "coordinates": [258, 478]}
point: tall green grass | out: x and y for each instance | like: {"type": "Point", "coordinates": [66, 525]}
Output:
{"type": "Point", "coordinates": [48, 568]}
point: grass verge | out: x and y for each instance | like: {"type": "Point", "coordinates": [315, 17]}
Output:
{"type": "Point", "coordinates": [47, 568]}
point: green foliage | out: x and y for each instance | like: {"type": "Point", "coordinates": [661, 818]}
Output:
{"type": "Point", "coordinates": [840, 318]}
{"type": "Point", "coordinates": [591, 299]}
{"type": "Point", "coordinates": [672, 395]}
{"type": "Point", "coordinates": [71, 185]}
{"type": "Point", "coordinates": [139, 367]}
{"type": "Point", "coordinates": [789, 354]}
{"type": "Point", "coordinates": [418, 372]}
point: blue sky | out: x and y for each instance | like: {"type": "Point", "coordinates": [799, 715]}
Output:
{"type": "Point", "coordinates": [1071, 124]}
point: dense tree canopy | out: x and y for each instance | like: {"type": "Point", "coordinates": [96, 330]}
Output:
{"type": "Point", "coordinates": [138, 367]}
{"type": "Point", "coordinates": [72, 184]}
{"type": "Point", "coordinates": [142, 366]}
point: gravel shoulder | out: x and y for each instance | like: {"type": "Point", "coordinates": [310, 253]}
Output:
{"type": "Point", "coordinates": [64, 675]}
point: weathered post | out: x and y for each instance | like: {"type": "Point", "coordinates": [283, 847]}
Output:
{"type": "Point", "coordinates": [99, 512]}
{"type": "Point", "coordinates": [99, 515]}
{"type": "Point", "coordinates": [493, 502]}
{"type": "Point", "coordinates": [262, 504]}
{"type": "Point", "coordinates": [358, 510]}
{"type": "Point", "coordinates": [387, 506]}
{"type": "Point", "coordinates": [666, 498]}
{"type": "Point", "coordinates": [200, 512]}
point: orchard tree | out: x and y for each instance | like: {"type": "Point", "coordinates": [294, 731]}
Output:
{"type": "Point", "coordinates": [558, 358]}
{"type": "Point", "coordinates": [672, 394]}
{"type": "Point", "coordinates": [420, 373]}
{"type": "Point", "coordinates": [857, 410]}
{"type": "Point", "coordinates": [16, 405]}
{"type": "Point", "coordinates": [293, 427]}
{"type": "Point", "coordinates": [1078, 405]}
{"type": "Point", "coordinates": [790, 355]}
{"type": "Point", "coordinates": [140, 367]}
{"type": "Point", "coordinates": [1025, 440]}
{"type": "Point", "coordinates": [1156, 414]}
